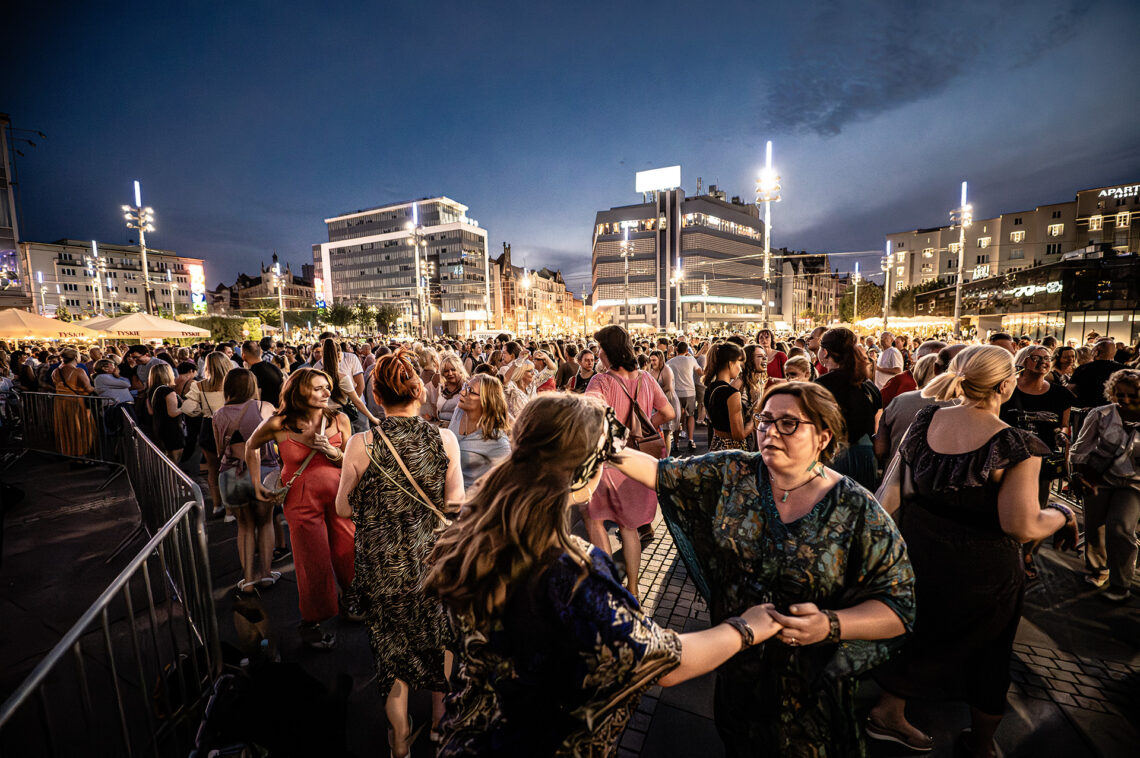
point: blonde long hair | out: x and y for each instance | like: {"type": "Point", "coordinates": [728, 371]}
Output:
{"type": "Point", "coordinates": [495, 420]}
{"type": "Point", "coordinates": [519, 510]}
{"type": "Point", "coordinates": [975, 374]}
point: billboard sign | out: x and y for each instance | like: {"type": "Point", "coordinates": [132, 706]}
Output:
{"type": "Point", "coordinates": [658, 179]}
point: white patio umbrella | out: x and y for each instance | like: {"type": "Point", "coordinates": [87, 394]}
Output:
{"type": "Point", "coordinates": [16, 324]}
{"type": "Point", "coordinates": [143, 326]}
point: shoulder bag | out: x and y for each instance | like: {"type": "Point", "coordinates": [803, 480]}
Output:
{"type": "Point", "coordinates": [444, 520]}
{"type": "Point", "coordinates": [642, 434]}
{"type": "Point", "coordinates": [272, 481]}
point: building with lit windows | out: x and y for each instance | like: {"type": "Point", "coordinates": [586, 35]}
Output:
{"type": "Point", "coordinates": [87, 278]}
{"type": "Point", "coordinates": [15, 291]}
{"type": "Point", "coordinates": [809, 289]}
{"type": "Point", "coordinates": [426, 256]}
{"type": "Point", "coordinates": [715, 244]}
{"type": "Point", "coordinates": [1008, 243]}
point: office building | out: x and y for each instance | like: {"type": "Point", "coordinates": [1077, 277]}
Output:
{"type": "Point", "coordinates": [1107, 217]}
{"type": "Point", "coordinates": [716, 245]}
{"type": "Point", "coordinates": [15, 291]}
{"type": "Point", "coordinates": [426, 256]}
{"type": "Point", "coordinates": [87, 278]}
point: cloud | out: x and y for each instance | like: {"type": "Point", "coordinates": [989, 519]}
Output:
{"type": "Point", "coordinates": [862, 59]}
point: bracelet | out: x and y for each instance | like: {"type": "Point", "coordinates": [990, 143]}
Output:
{"type": "Point", "coordinates": [1063, 509]}
{"type": "Point", "coordinates": [833, 631]}
{"type": "Point", "coordinates": [339, 456]}
{"type": "Point", "coordinates": [740, 625]}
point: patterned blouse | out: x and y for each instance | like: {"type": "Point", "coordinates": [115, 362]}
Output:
{"type": "Point", "coordinates": [791, 700]}
{"type": "Point", "coordinates": [560, 672]}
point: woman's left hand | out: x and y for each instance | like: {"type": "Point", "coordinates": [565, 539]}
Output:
{"type": "Point", "coordinates": [806, 625]}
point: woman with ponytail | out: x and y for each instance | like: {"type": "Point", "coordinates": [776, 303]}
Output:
{"type": "Point", "coordinates": [398, 482]}
{"type": "Point", "coordinates": [344, 396]}
{"type": "Point", "coordinates": [848, 378]}
{"type": "Point", "coordinates": [966, 483]}
{"type": "Point", "coordinates": [554, 652]}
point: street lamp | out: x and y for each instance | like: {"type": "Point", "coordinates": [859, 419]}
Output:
{"type": "Point", "coordinates": [626, 254]}
{"type": "Point", "coordinates": [855, 304]}
{"type": "Point", "coordinates": [767, 192]}
{"type": "Point", "coordinates": [95, 267]}
{"type": "Point", "coordinates": [419, 244]}
{"type": "Point", "coordinates": [888, 261]}
{"type": "Point", "coordinates": [962, 217]}
{"type": "Point", "coordinates": [525, 283]}
{"type": "Point", "coordinates": [170, 284]}
{"type": "Point", "coordinates": [140, 218]}
{"type": "Point", "coordinates": [678, 277]}
{"type": "Point", "coordinates": [280, 296]}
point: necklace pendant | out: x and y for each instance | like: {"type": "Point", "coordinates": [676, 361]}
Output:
{"type": "Point", "coordinates": [784, 499]}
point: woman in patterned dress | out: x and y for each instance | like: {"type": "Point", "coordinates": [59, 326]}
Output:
{"type": "Point", "coordinates": [554, 652]}
{"type": "Point", "coordinates": [780, 527]}
{"type": "Point", "coordinates": [395, 531]}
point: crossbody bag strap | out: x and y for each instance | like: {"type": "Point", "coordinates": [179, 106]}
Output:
{"type": "Point", "coordinates": [302, 467]}
{"type": "Point", "coordinates": [408, 474]}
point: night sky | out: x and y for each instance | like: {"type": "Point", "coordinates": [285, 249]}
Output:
{"type": "Point", "coordinates": [248, 123]}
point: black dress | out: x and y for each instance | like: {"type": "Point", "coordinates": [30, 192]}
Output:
{"type": "Point", "coordinates": [168, 431]}
{"type": "Point", "coordinates": [969, 578]}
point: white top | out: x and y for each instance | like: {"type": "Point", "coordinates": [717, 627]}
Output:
{"type": "Point", "coordinates": [891, 358]}
{"type": "Point", "coordinates": [350, 365]}
{"type": "Point", "coordinates": [683, 367]}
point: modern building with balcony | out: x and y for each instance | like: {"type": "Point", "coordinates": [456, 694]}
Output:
{"type": "Point", "coordinates": [425, 256]}
{"type": "Point", "coordinates": [86, 278]}
{"type": "Point", "coordinates": [1005, 244]}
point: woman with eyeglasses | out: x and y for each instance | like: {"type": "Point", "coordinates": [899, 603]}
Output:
{"type": "Point", "coordinates": [782, 527]}
{"type": "Point", "coordinates": [554, 653]}
{"type": "Point", "coordinates": [482, 426]}
{"type": "Point", "coordinates": [1040, 407]}
{"type": "Point", "coordinates": [964, 488]}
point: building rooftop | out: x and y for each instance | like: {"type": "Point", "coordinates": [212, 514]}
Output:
{"type": "Point", "coordinates": [396, 206]}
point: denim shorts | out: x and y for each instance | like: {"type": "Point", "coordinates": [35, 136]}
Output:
{"type": "Point", "coordinates": [237, 489]}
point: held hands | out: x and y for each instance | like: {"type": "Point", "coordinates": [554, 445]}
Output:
{"type": "Point", "coordinates": [806, 625]}
{"type": "Point", "coordinates": [760, 619]}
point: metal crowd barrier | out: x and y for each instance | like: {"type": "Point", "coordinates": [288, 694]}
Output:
{"type": "Point", "coordinates": [131, 676]}
{"type": "Point", "coordinates": [159, 485]}
{"type": "Point", "coordinates": [79, 427]}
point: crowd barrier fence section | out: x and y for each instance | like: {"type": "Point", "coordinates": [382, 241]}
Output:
{"type": "Point", "coordinates": [160, 486]}
{"type": "Point", "coordinates": [79, 427]}
{"type": "Point", "coordinates": [132, 675]}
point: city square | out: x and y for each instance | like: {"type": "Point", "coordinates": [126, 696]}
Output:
{"type": "Point", "coordinates": [444, 381]}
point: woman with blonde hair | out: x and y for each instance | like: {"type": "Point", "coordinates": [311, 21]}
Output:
{"type": "Point", "coordinates": [443, 391]}
{"type": "Point", "coordinates": [553, 652]}
{"type": "Point", "coordinates": [205, 397]}
{"type": "Point", "coordinates": [482, 426]}
{"type": "Point", "coordinates": [165, 409]}
{"type": "Point", "coordinates": [523, 380]}
{"type": "Point", "coordinates": [963, 487]}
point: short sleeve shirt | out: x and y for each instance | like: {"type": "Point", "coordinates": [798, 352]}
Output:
{"type": "Point", "coordinates": [891, 358]}
{"type": "Point", "coordinates": [683, 367]}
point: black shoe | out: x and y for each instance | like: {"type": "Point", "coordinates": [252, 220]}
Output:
{"type": "Point", "coordinates": [646, 534]}
{"type": "Point", "coordinates": [315, 637]}
{"type": "Point", "coordinates": [281, 553]}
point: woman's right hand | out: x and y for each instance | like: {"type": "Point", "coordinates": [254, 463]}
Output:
{"type": "Point", "coordinates": [262, 494]}
{"type": "Point", "coordinates": [760, 620]}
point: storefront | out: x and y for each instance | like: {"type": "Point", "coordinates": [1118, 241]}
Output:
{"type": "Point", "coordinates": [1066, 300]}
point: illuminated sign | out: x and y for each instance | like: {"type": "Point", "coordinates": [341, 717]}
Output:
{"type": "Point", "coordinates": [319, 287]}
{"type": "Point", "coordinates": [658, 179]}
{"type": "Point", "coordinates": [1129, 191]}
{"type": "Point", "coordinates": [1033, 289]}
{"type": "Point", "coordinates": [197, 287]}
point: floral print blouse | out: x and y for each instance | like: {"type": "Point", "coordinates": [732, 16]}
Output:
{"type": "Point", "coordinates": [774, 698]}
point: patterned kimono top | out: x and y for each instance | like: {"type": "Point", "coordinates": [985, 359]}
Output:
{"type": "Point", "coordinates": [774, 699]}
{"type": "Point", "coordinates": [561, 671]}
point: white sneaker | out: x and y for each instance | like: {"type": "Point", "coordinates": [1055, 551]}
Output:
{"type": "Point", "coordinates": [229, 519]}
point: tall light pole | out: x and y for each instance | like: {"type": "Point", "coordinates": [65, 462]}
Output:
{"type": "Point", "coordinates": [170, 284]}
{"type": "Point", "coordinates": [525, 282]}
{"type": "Point", "coordinates": [626, 254]}
{"type": "Point", "coordinates": [962, 216]}
{"type": "Point", "coordinates": [767, 192]}
{"type": "Point", "coordinates": [678, 277]}
{"type": "Point", "coordinates": [140, 218]}
{"type": "Point", "coordinates": [419, 244]}
{"type": "Point", "coordinates": [95, 269]}
{"type": "Point", "coordinates": [855, 304]}
{"type": "Point", "coordinates": [585, 328]}
{"type": "Point", "coordinates": [887, 263]}
{"type": "Point", "coordinates": [280, 296]}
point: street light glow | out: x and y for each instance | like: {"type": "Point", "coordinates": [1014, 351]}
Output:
{"type": "Point", "coordinates": [138, 194]}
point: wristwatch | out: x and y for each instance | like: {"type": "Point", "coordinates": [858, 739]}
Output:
{"type": "Point", "coordinates": [833, 628]}
{"type": "Point", "coordinates": [740, 625]}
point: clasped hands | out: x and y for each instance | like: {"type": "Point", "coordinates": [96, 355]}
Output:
{"type": "Point", "coordinates": [806, 624]}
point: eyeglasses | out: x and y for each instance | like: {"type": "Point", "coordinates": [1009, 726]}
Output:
{"type": "Point", "coordinates": [1039, 359]}
{"type": "Point", "coordinates": [467, 388]}
{"type": "Point", "coordinates": [785, 425]}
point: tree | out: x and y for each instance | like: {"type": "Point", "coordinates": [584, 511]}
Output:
{"type": "Point", "coordinates": [870, 302]}
{"type": "Point", "coordinates": [903, 301]}
{"type": "Point", "coordinates": [365, 316]}
{"type": "Point", "coordinates": [339, 314]}
{"type": "Point", "coordinates": [130, 308]}
{"type": "Point", "coordinates": [386, 316]}
{"type": "Point", "coordinates": [62, 313]}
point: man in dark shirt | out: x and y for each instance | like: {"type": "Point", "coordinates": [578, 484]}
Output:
{"type": "Point", "coordinates": [269, 377]}
{"type": "Point", "coordinates": [568, 367]}
{"type": "Point", "coordinates": [1088, 380]}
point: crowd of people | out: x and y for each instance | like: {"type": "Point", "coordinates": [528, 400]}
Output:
{"type": "Point", "coordinates": [865, 507]}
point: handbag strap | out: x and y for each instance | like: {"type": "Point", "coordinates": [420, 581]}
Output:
{"type": "Point", "coordinates": [408, 474]}
{"type": "Point", "coordinates": [302, 467]}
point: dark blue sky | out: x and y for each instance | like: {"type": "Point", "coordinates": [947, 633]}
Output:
{"type": "Point", "coordinates": [250, 122]}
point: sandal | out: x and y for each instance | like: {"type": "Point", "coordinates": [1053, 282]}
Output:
{"type": "Point", "coordinates": [315, 637]}
{"type": "Point", "coordinates": [882, 733]}
{"type": "Point", "coordinates": [269, 581]}
{"type": "Point", "coordinates": [247, 588]}
{"type": "Point", "coordinates": [1030, 567]}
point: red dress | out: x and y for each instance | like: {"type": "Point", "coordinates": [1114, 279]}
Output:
{"type": "Point", "coordinates": [323, 542]}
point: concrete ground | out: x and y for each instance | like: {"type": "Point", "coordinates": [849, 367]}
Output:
{"type": "Point", "coordinates": [1076, 667]}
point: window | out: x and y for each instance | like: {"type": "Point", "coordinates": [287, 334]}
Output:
{"type": "Point", "coordinates": [983, 242]}
{"type": "Point", "coordinates": [1122, 218]}
{"type": "Point", "coordinates": [1056, 214]}
{"type": "Point", "coordinates": [900, 270]}
{"type": "Point", "coordinates": [1053, 248]}
{"type": "Point", "coordinates": [1096, 223]}
{"type": "Point", "coordinates": [1017, 253]}
{"type": "Point", "coordinates": [899, 285]}
{"type": "Point", "coordinates": [981, 272]}
{"type": "Point", "coordinates": [1017, 221]}
{"type": "Point", "coordinates": [1056, 230]}
{"type": "Point", "coordinates": [983, 258]}
{"type": "Point", "coordinates": [1018, 236]}
{"type": "Point", "coordinates": [954, 247]}
{"type": "Point", "coordinates": [928, 252]}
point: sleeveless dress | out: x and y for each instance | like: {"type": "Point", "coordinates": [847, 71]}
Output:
{"type": "Point", "coordinates": [74, 424]}
{"type": "Point", "coordinates": [395, 532]}
{"type": "Point", "coordinates": [322, 540]}
{"type": "Point", "coordinates": [968, 571]}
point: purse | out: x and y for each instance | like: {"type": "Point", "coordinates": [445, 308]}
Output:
{"type": "Point", "coordinates": [642, 434]}
{"type": "Point", "coordinates": [444, 520]}
{"type": "Point", "coordinates": [272, 480]}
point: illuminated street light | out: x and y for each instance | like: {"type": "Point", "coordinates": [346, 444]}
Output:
{"type": "Point", "coordinates": [962, 217]}
{"type": "Point", "coordinates": [419, 244]}
{"type": "Point", "coordinates": [140, 219]}
{"type": "Point", "coordinates": [888, 261]}
{"type": "Point", "coordinates": [678, 277]}
{"type": "Point", "coordinates": [525, 284]}
{"type": "Point", "coordinates": [626, 254]}
{"type": "Point", "coordinates": [767, 192]}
